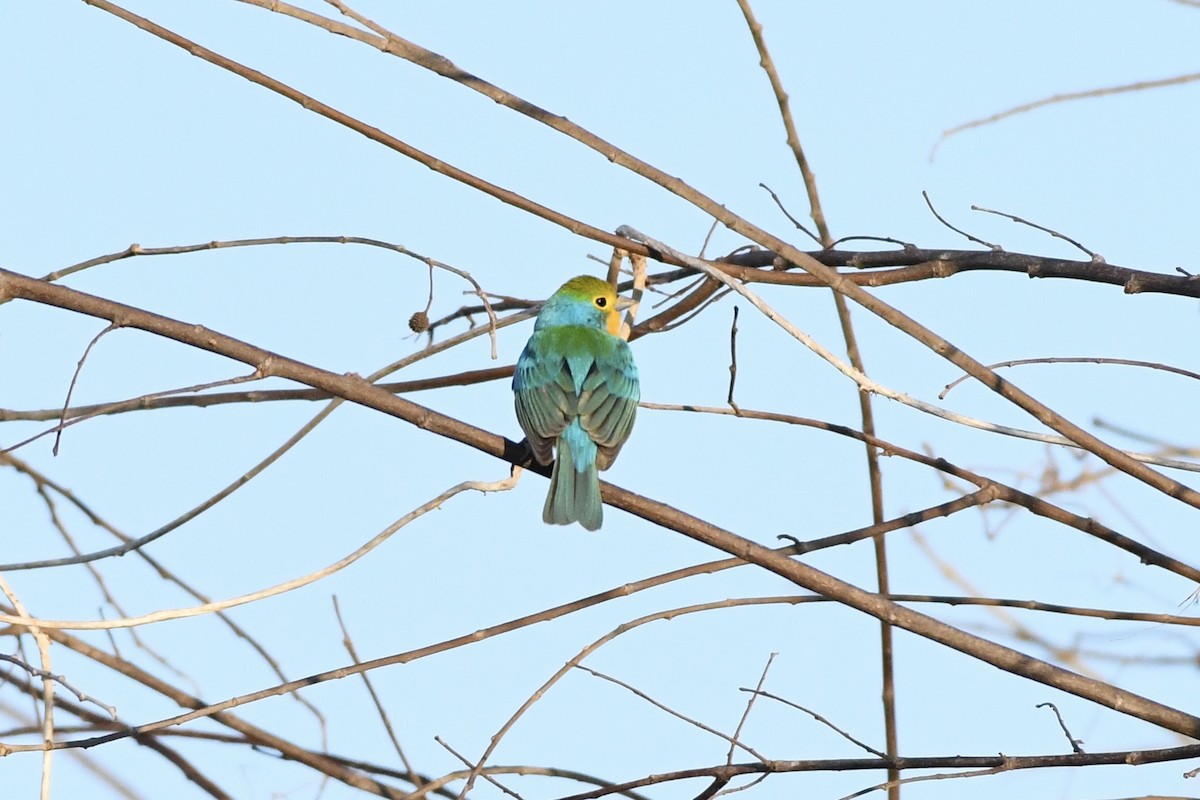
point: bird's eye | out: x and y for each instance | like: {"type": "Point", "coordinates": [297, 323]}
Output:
{"type": "Point", "coordinates": [601, 302]}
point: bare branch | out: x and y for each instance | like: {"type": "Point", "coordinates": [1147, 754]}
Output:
{"type": "Point", "coordinates": [1075, 743]}
{"type": "Point", "coordinates": [819, 719]}
{"type": "Point", "coordinates": [75, 377]}
{"type": "Point", "coordinates": [733, 740]}
{"type": "Point", "coordinates": [733, 330]}
{"type": "Point", "coordinates": [785, 113]}
{"type": "Point", "coordinates": [960, 231]}
{"type": "Point", "coordinates": [1096, 258]}
{"type": "Point", "coordinates": [61, 680]}
{"type": "Point", "coordinates": [348, 643]}
{"type": "Point", "coordinates": [485, 773]}
{"type": "Point", "coordinates": [737, 732]}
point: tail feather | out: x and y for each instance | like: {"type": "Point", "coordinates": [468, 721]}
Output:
{"type": "Point", "coordinates": [574, 485]}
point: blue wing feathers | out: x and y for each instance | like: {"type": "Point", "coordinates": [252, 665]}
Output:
{"type": "Point", "coordinates": [576, 389]}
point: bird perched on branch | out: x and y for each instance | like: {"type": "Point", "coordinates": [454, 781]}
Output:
{"type": "Point", "coordinates": [576, 390]}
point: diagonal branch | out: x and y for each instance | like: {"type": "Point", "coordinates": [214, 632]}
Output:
{"type": "Point", "coordinates": [369, 131]}
{"type": "Point", "coordinates": [357, 390]}
{"type": "Point", "coordinates": [442, 66]}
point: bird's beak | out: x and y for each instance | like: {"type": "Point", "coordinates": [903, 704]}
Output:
{"type": "Point", "coordinates": [624, 303]}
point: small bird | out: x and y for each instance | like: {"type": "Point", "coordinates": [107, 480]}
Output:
{"type": "Point", "coordinates": [576, 389]}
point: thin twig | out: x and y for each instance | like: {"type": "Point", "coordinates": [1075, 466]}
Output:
{"type": "Point", "coordinates": [1075, 743]}
{"type": "Point", "coordinates": [733, 740]}
{"type": "Point", "coordinates": [785, 113]}
{"type": "Point", "coordinates": [708, 236]}
{"type": "Point", "coordinates": [799, 225]}
{"type": "Point", "coordinates": [737, 732]}
{"type": "Point", "coordinates": [896, 783]}
{"type": "Point", "coordinates": [941, 219]}
{"type": "Point", "coordinates": [75, 377]}
{"type": "Point", "coordinates": [180, 396]}
{"type": "Point", "coordinates": [486, 773]}
{"type": "Point", "coordinates": [862, 238]}
{"type": "Point", "coordinates": [348, 643]}
{"type": "Point", "coordinates": [736, 789]}
{"type": "Point", "coordinates": [733, 331]}
{"type": "Point", "coordinates": [1064, 98]}
{"type": "Point", "coordinates": [62, 681]}
{"type": "Point", "coordinates": [818, 718]}
{"type": "Point", "coordinates": [1096, 258]}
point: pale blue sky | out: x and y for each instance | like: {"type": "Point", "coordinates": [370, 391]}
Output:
{"type": "Point", "coordinates": [112, 136]}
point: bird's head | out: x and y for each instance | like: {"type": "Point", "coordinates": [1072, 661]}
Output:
{"type": "Point", "coordinates": [584, 300]}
